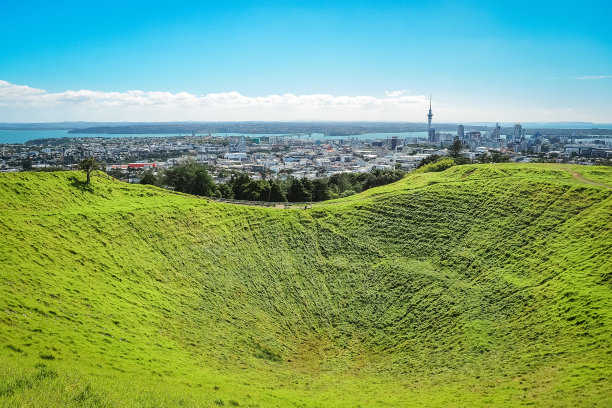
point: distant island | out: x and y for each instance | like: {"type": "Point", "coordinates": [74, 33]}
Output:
{"type": "Point", "coordinates": [327, 128]}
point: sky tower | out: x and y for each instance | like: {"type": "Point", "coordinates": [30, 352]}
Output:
{"type": "Point", "coordinates": [429, 115]}
{"type": "Point", "coordinates": [430, 137]}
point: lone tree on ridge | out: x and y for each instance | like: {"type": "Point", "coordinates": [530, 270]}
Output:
{"type": "Point", "coordinates": [88, 165]}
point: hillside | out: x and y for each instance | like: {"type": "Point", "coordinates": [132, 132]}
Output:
{"type": "Point", "coordinates": [480, 285]}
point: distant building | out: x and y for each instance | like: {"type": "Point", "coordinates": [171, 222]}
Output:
{"type": "Point", "coordinates": [142, 165]}
{"type": "Point", "coordinates": [238, 146]}
{"type": "Point", "coordinates": [236, 156]}
{"type": "Point", "coordinates": [497, 131]}
{"type": "Point", "coordinates": [461, 132]}
{"type": "Point", "coordinates": [431, 136]}
{"type": "Point", "coordinates": [517, 136]}
{"type": "Point", "coordinates": [394, 142]}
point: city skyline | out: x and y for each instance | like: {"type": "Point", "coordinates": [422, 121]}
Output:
{"type": "Point", "coordinates": [306, 61]}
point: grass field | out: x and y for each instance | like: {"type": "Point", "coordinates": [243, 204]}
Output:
{"type": "Point", "coordinates": [483, 285]}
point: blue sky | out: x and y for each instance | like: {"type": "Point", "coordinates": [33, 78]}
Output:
{"type": "Point", "coordinates": [481, 60]}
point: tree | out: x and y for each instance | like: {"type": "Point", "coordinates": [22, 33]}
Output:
{"type": "Point", "coordinates": [116, 173]}
{"type": "Point", "coordinates": [340, 182]}
{"type": "Point", "coordinates": [499, 157]}
{"type": "Point", "coordinates": [462, 160]}
{"type": "Point", "coordinates": [377, 178]}
{"type": "Point", "coordinates": [203, 183]}
{"type": "Point", "coordinates": [256, 190]}
{"type": "Point", "coordinates": [148, 178]}
{"type": "Point", "coordinates": [26, 164]}
{"type": "Point", "coordinates": [308, 189]}
{"type": "Point", "coordinates": [225, 191]}
{"type": "Point", "coordinates": [191, 178]}
{"type": "Point", "coordinates": [298, 191]}
{"type": "Point", "coordinates": [239, 186]}
{"type": "Point", "coordinates": [454, 150]}
{"type": "Point", "coordinates": [320, 190]}
{"type": "Point", "coordinates": [88, 165]}
{"type": "Point", "coordinates": [276, 193]}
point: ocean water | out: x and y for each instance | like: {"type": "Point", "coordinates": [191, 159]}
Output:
{"type": "Point", "coordinates": [22, 136]}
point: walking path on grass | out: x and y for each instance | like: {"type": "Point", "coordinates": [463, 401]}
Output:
{"type": "Point", "coordinates": [586, 180]}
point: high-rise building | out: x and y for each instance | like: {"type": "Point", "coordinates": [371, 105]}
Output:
{"type": "Point", "coordinates": [431, 136]}
{"type": "Point", "coordinates": [497, 131]}
{"type": "Point", "coordinates": [461, 132]}
{"type": "Point", "coordinates": [394, 142]}
{"type": "Point", "coordinates": [518, 133]}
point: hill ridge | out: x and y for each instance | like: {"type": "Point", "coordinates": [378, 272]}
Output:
{"type": "Point", "coordinates": [487, 291]}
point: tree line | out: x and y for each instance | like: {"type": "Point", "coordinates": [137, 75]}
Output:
{"type": "Point", "coordinates": [194, 178]}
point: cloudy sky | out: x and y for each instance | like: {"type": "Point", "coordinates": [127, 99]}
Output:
{"type": "Point", "coordinates": [343, 60]}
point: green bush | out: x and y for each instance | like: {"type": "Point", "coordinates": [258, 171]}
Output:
{"type": "Point", "coordinates": [437, 166]}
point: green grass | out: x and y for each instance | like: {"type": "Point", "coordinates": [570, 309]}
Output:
{"type": "Point", "coordinates": [480, 285]}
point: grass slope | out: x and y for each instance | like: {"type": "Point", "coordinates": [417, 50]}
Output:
{"type": "Point", "coordinates": [480, 285]}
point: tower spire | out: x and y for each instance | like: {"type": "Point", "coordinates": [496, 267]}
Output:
{"type": "Point", "coordinates": [430, 136]}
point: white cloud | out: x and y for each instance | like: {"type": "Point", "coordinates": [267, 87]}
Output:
{"type": "Point", "coordinates": [24, 103]}
{"type": "Point", "coordinates": [8, 91]}
{"type": "Point", "coordinates": [395, 94]}
{"type": "Point", "coordinates": [594, 77]}
{"type": "Point", "coordinates": [21, 103]}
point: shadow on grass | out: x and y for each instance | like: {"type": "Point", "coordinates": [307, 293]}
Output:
{"type": "Point", "coordinates": [80, 184]}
